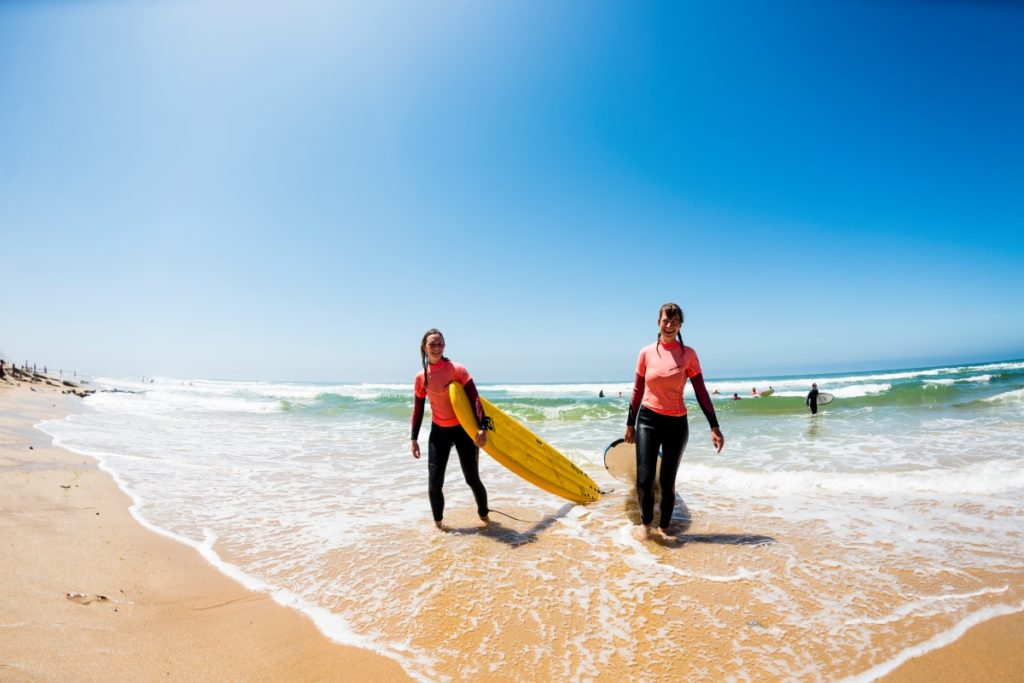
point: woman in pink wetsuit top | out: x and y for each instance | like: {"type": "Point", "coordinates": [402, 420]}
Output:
{"type": "Point", "coordinates": [445, 431]}
{"type": "Point", "coordinates": [657, 416]}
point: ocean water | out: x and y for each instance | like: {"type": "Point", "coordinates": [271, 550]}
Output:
{"type": "Point", "coordinates": [813, 548]}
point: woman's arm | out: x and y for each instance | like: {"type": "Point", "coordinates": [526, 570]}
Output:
{"type": "Point", "coordinates": [417, 421]}
{"type": "Point", "coordinates": [478, 410]}
{"type": "Point", "coordinates": [708, 408]}
{"type": "Point", "coordinates": [634, 407]}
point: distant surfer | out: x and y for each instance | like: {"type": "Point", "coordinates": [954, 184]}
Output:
{"type": "Point", "coordinates": [600, 394]}
{"type": "Point", "coordinates": [432, 382]}
{"type": "Point", "coordinates": [657, 416]}
{"type": "Point", "coordinates": [754, 392]}
{"type": "Point", "coordinates": [812, 399]}
{"type": "Point", "coordinates": [736, 397]}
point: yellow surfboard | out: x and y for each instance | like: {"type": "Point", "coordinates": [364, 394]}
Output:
{"type": "Point", "coordinates": [525, 453]}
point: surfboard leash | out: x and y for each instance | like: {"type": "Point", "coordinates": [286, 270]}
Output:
{"type": "Point", "coordinates": [490, 510]}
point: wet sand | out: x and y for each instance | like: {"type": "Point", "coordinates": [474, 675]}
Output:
{"type": "Point", "coordinates": [991, 651]}
{"type": "Point", "coordinates": [90, 594]}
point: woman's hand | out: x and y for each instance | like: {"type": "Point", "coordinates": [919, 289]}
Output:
{"type": "Point", "coordinates": [481, 438]}
{"type": "Point", "coordinates": [630, 436]}
{"type": "Point", "coordinates": [416, 449]}
{"type": "Point", "coordinates": [717, 440]}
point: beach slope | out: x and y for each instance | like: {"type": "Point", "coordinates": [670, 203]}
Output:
{"type": "Point", "coordinates": [90, 594]}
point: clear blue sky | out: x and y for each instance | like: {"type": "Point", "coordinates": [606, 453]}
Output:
{"type": "Point", "coordinates": [299, 190]}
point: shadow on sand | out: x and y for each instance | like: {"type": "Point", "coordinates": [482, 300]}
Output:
{"type": "Point", "coordinates": [680, 524]}
{"type": "Point", "coordinates": [503, 534]}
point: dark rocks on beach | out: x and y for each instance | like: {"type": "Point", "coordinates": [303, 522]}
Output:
{"type": "Point", "coordinates": [81, 393]}
{"type": "Point", "coordinates": [32, 377]}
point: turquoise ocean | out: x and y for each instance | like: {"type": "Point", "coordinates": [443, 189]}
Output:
{"type": "Point", "coordinates": [813, 548]}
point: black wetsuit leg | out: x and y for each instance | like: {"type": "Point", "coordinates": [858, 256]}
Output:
{"type": "Point", "coordinates": [439, 447]}
{"type": "Point", "coordinates": [669, 434]}
{"type": "Point", "coordinates": [647, 446]}
{"type": "Point", "coordinates": [469, 460]}
{"type": "Point", "coordinates": [677, 434]}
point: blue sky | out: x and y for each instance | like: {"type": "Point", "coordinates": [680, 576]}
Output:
{"type": "Point", "coordinates": [265, 191]}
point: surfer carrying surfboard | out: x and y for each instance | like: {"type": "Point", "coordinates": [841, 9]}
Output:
{"type": "Point", "coordinates": [657, 416]}
{"type": "Point", "coordinates": [812, 398]}
{"type": "Point", "coordinates": [445, 431]}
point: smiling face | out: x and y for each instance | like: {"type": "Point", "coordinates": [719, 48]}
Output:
{"type": "Point", "coordinates": [670, 319]}
{"type": "Point", "coordinates": [669, 325]}
{"type": "Point", "coordinates": [433, 347]}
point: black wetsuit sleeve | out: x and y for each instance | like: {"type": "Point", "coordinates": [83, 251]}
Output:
{"type": "Point", "coordinates": [474, 399]}
{"type": "Point", "coordinates": [704, 399]}
{"type": "Point", "coordinates": [634, 402]}
{"type": "Point", "coordinates": [417, 415]}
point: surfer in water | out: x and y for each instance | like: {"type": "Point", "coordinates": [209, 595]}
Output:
{"type": "Point", "coordinates": [445, 431]}
{"type": "Point", "coordinates": [812, 399]}
{"type": "Point", "coordinates": [657, 416]}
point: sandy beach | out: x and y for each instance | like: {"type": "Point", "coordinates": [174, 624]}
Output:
{"type": "Point", "coordinates": [93, 595]}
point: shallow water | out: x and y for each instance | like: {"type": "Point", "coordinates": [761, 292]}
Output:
{"type": "Point", "coordinates": [812, 548]}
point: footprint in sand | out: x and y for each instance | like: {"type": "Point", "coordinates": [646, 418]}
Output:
{"type": "Point", "coordinates": [83, 599]}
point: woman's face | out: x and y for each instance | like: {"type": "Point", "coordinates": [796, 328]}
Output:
{"type": "Point", "coordinates": [434, 347]}
{"type": "Point", "coordinates": [669, 326]}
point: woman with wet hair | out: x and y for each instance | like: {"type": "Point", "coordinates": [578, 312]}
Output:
{"type": "Point", "coordinates": [445, 431]}
{"type": "Point", "coordinates": [657, 416]}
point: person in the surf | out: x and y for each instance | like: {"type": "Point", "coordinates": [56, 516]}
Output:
{"type": "Point", "coordinates": [445, 431]}
{"type": "Point", "coordinates": [812, 399]}
{"type": "Point", "coordinates": [657, 417]}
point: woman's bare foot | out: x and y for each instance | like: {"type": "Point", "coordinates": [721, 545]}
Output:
{"type": "Point", "coordinates": [486, 520]}
{"type": "Point", "coordinates": [440, 525]}
{"type": "Point", "coordinates": [641, 532]}
{"type": "Point", "coordinates": [661, 535]}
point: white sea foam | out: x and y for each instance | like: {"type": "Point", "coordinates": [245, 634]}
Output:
{"type": "Point", "coordinates": [561, 390]}
{"type": "Point", "coordinates": [1015, 396]}
{"type": "Point", "coordinates": [982, 478]}
{"type": "Point", "coordinates": [925, 606]}
{"type": "Point", "coordinates": [973, 378]}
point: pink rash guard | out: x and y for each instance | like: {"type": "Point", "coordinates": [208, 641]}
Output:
{"type": "Point", "coordinates": [661, 374]}
{"type": "Point", "coordinates": [442, 373]}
